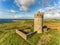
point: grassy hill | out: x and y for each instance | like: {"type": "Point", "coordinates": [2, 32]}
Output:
{"type": "Point", "coordinates": [8, 35]}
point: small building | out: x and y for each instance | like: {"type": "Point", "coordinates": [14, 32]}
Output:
{"type": "Point", "coordinates": [45, 28]}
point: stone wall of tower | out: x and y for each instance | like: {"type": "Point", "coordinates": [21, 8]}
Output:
{"type": "Point", "coordinates": [38, 22]}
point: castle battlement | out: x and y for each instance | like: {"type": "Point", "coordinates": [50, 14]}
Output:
{"type": "Point", "coordinates": [38, 22]}
{"type": "Point", "coordinates": [38, 15]}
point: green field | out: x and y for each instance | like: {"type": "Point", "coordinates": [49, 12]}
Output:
{"type": "Point", "coordinates": [8, 35]}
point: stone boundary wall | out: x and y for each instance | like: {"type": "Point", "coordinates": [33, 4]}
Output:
{"type": "Point", "coordinates": [25, 36]}
{"type": "Point", "coordinates": [31, 34]}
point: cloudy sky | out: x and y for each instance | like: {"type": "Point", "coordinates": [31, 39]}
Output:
{"type": "Point", "coordinates": [25, 9]}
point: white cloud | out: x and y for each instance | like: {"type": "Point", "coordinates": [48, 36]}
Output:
{"type": "Point", "coordinates": [24, 4]}
{"type": "Point", "coordinates": [11, 11]}
{"type": "Point", "coordinates": [17, 16]}
{"type": "Point", "coordinates": [50, 8]}
{"type": "Point", "coordinates": [41, 10]}
{"type": "Point", "coordinates": [55, 14]}
{"type": "Point", "coordinates": [52, 11]}
{"type": "Point", "coordinates": [24, 8]}
{"type": "Point", "coordinates": [1, 12]}
{"type": "Point", "coordinates": [23, 16]}
{"type": "Point", "coordinates": [28, 17]}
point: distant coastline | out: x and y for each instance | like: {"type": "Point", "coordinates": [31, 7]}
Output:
{"type": "Point", "coordinates": [11, 20]}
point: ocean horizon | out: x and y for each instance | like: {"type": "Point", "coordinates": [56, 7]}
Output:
{"type": "Point", "coordinates": [11, 20]}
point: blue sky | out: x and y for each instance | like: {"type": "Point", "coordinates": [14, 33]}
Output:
{"type": "Point", "coordinates": [25, 9]}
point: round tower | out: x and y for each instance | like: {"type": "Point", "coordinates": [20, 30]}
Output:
{"type": "Point", "coordinates": [38, 22]}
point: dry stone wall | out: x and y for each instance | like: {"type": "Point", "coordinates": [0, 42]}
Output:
{"type": "Point", "coordinates": [25, 35]}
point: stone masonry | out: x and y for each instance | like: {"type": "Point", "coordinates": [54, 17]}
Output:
{"type": "Point", "coordinates": [38, 26]}
{"type": "Point", "coordinates": [38, 22]}
{"type": "Point", "coordinates": [24, 35]}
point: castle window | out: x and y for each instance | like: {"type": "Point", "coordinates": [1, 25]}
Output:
{"type": "Point", "coordinates": [37, 15]}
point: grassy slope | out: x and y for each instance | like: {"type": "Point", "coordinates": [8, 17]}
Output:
{"type": "Point", "coordinates": [14, 39]}
{"type": "Point", "coordinates": [55, 38]}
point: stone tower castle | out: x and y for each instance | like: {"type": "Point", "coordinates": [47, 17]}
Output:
{"type": "Point", "coordinates": [38, 22]}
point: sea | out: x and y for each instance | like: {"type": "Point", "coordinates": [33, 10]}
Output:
{"type": "Point", "coordinates": [11, 20]}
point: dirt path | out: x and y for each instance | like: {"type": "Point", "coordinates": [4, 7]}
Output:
{"type": "Point", "coordinates": [44, 39]}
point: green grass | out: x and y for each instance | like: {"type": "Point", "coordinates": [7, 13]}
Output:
{"type": "Point", "coordinates": [14, 39]}
{"type": "Point", "coordinates": [55, 37]}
